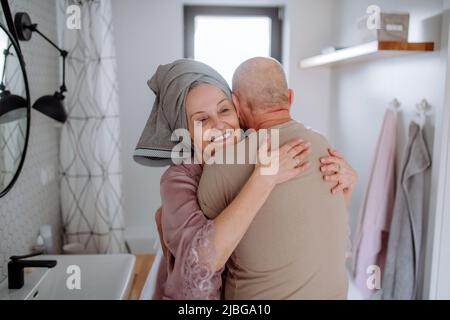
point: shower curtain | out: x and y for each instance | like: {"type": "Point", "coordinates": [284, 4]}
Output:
{"type": "Point", "coordinates": [91, 199]}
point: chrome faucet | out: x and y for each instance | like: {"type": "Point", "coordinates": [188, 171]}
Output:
{"type": "Point", "coordinates": [18, 263]}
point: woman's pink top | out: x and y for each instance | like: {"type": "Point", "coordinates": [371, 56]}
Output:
{"type": "Point", "coordinates": [188, 272]}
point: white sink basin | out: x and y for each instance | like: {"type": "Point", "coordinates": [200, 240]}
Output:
{"type": "Point", "coordinates": [102, 277]}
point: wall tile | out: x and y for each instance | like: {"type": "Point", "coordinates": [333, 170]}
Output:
{"type": "Point", "coordinates": [30, 204]}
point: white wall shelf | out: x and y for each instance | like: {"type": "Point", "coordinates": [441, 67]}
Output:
{"type": "Point", "coordinates": [365, 52]}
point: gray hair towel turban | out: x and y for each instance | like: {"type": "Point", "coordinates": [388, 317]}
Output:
{"type": "Point", "coordinates": [171, 83]}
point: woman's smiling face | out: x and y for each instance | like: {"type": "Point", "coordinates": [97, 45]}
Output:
{"type": "Point", "coordinates": [211, 115]}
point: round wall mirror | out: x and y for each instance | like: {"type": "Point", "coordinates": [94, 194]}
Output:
{"type": "Point", "coordinates": [14, 111]}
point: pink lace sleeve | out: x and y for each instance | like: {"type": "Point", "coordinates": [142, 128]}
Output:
{"type": "Point", "coordinates": [189, 236]}
{"type": "Point", "coordinates": [201, 281]}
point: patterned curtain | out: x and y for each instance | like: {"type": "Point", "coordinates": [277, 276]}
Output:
{"type": "Point", "coordinates": [91, 200]}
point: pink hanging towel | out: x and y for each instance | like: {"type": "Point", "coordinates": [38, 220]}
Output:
{"type": "Point", "coordinates": [376, 213]}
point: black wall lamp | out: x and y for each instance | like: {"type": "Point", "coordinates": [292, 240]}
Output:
{"type": "Point", "coordinates": [12, 106]}
{"type": "Point", "coordinates": [50, 105]}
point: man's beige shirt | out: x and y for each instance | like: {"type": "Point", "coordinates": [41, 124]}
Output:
{"type": "Point", "coordinates": [295, 246]}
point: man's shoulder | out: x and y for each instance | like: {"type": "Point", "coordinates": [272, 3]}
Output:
{"type": "Point", "coordinates": [318, 136]}
{"type": "Point", "coordinates": [309, 134]}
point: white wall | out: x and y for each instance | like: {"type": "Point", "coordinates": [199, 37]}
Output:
{"type": "Point", "coordinates": [361, 92]}
{"type": "Point", "coordinates": [149, 33]}
{"type": "Point", "coordinates": [437, 277]}
{"type": "Point", "coordinates": [309, 29]}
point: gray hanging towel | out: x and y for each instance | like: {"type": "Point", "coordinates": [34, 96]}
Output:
{"type": "Point", "coordinates": [400, 278]}
{"type": "Point", "coordinates": [171, 83]}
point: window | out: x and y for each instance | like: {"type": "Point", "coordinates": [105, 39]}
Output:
{"type": "Point", "coordinates": [224, 37]}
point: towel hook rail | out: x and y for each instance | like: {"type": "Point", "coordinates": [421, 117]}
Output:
{"type": "Point", "coordinates": [395, 104]}
{"type": "Point", "coordinates": [423, 109]}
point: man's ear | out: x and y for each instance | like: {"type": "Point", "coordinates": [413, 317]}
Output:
{"type": "Point", "coordinates": [290, 97]}
{"type": "Point", "coordinates": [236, 103]}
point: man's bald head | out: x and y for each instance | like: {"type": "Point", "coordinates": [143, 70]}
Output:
{"type": "Point", "coordinates": [262, 83]}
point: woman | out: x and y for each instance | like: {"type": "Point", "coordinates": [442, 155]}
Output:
{"type": "Point", "coordinates": [195, 248]}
